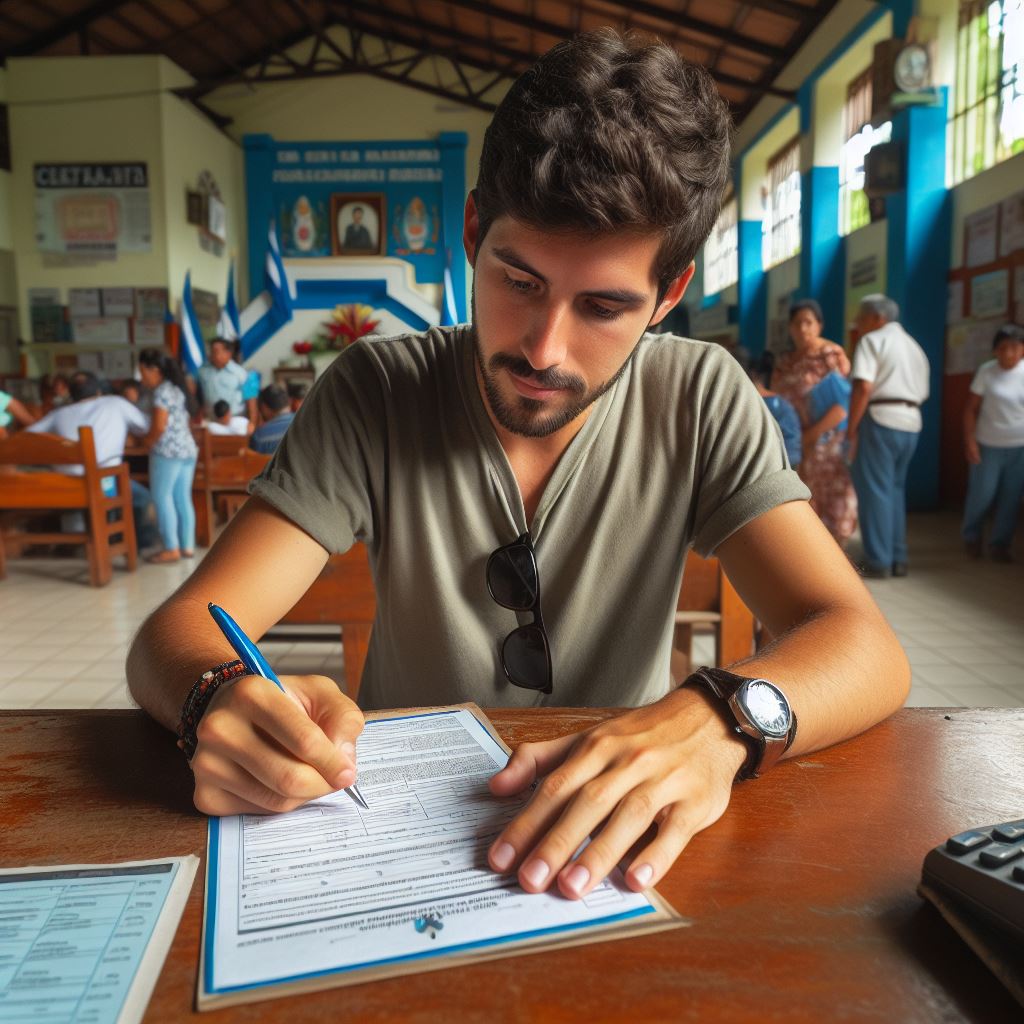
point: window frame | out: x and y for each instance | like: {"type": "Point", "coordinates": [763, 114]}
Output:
{"type": "Point", "coordinates": [782, 176]}
{"type": "Point", "coordinates": [722, 248]}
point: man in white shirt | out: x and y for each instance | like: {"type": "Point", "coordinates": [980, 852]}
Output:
{"type": "Point", "coordinates": [223, 378]}
{"type": "Point", "coordinates": [112, 418]}
{"type": "Point", "coordinates": [890, 382]}
{"type": "Point", "coordinates": [224, 424]}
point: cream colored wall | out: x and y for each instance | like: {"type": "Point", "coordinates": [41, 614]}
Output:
{"type": "Point", "coordinates": [870, 240]}
{"type": "Point", "coordinates": [354, 108]}
{"type": "Point", "coordinates": [191, 144]}
{"type": "Point", "coordinates": [83, 109]}
{"type": "Point", "coordinates": [991, 186]}
{"type": "Point", "coordinates": [6, 236]}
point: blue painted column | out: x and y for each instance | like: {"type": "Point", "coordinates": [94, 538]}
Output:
{"type": "Point", "coordinates": [822, 254]}
{"type": "Point", "coordinates": [453, 190]}
{"type": "Point", "coordinates": [920, 224]}
{"type": "Point", "coordinates": [259, 167]}
{"type": "Point", "coordinates": [751, 285]}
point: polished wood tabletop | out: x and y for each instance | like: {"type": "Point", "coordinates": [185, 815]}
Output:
{"type": "Point", "coordinates": [801, 900]}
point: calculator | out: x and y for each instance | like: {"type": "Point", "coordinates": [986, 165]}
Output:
{"type": "Point", "coordinates": [982, 870]}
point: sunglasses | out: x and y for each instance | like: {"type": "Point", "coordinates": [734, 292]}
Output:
{"type": "Point", "coordinates": [513, 581]}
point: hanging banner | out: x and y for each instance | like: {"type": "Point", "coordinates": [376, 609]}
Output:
{"type": "Point", "coordinates": [92, 209]}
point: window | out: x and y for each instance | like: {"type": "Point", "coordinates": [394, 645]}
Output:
{"type": "Point", "coordinates": [988, 106]}
{"type": "Point", "coordinates": [861, 137]}
{"type": "Point", "coordinates": [780, 226]}
{"type": "Point", "coordinates": [721, 251]}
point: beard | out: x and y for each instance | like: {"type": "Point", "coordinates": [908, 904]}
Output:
{"type": "Point", "coordinates": [528, 417]}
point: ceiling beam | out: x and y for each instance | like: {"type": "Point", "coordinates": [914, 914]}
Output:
{"type": "Point", "coordinates": [649, 10]}
{"type": "Point", "coordinates": [79, 22]}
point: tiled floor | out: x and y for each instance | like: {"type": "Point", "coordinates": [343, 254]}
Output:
{"type": "Point", "coordinates": [64, 643]}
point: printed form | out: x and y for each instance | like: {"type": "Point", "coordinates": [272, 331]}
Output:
{"type": "Point", "coordinates": [331, 888]}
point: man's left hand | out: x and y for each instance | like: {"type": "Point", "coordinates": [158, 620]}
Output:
{"type": "Point", "coordinates": [671, 764]}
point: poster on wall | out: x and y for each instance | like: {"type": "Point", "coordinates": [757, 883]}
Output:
{"type": "Point", "coordinates": [1018, 293]}
{"type": "Point", "coordinates": [968, 345]}
{"type": "Point", "coordinates": [981, 231]}
{"type": "Point", "coordinates": [1011, 224]}
{"type": "Point", "coordinates": [990, 294]}
{"type": "Point", "coordinates": [955, 302]}
{"type": "Point", "coordinates": [92, 209]}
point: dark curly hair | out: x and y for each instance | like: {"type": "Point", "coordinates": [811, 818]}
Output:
{"type": "Point", "coordinates": [607, 132]}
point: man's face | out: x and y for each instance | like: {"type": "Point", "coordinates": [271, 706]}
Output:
{"type": "Point", "coordinates": [357, 216]}
{"type": "Point", "coordinates": [220, 355]}
{"type": "Point", "coordinates": [557, 316]}
{"type": "Point", "coordinates": [1009, 353]}
{"type": "Point", "coordinates": [866, 322]}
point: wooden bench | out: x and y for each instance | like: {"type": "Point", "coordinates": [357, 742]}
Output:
{"type": "Point", "coordinates": [50, 491]}
{"type": "Point", "coordinates": [224, 467]}
{"type": "Point", "coordinates": [343, 596]}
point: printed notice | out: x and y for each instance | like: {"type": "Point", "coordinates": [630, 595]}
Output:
{"type": "Point", "coordinates": [331, 893]}
{"type": "Point", "coordinates": [85, 943]}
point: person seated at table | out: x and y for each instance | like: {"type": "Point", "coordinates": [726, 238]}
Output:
{"type": "Point", "coordinates": [224, 424]}
{"type": "Point", "coordinates": [223, 378]}
{"type": "Point", "coordinates": [297, 392]}
{"type": "Point", "coordinates": [13, 411]}
{"type": "Point", "coordinates": [56, 391]}
{"type": "Point", "coordinates": [550, 451]}
{"type": "Point", "coordinates": [112, 419]}
{"type": "Point", "coordinates": [760, 374]}
{"type": "Point", "coordinates": [276, 417]}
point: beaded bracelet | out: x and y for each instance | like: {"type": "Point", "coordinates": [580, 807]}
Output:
{"type": "Point", "coordinates": [199, 698]}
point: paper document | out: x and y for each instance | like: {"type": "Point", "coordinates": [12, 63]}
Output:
{"type": "Point", "coordinates": [331, 894]}
{"type": "Point", "coordinates": [86, 942]}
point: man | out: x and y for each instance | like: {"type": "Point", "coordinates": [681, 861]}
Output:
{"type": "Point", "coordinates": [890, 381]}
{"type": "Point", "coordinates": [276, 416]}
{"type": "Point", "coordinates": [356, 234]}
{"type": "Point", "coordinates": [556, 420]}
{"type": "Point", "coordinates": [223, 378]}
{"type": "Point", "coordinates": [112, 418]}
{"type": "Point", "coordinates": [297, 391]}
{"type": "Point", "coordinates": [223, 424]}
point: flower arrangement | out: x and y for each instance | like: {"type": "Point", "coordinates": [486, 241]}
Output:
{"type": "Point", "coordinates": [346, 325]}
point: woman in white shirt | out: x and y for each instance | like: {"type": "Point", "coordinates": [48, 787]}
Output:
{"type": "Point", "coordinates": [994, 445]}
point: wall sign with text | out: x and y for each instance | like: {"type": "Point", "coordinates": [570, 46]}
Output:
{"type": "Point", "coordinates": [98, 209]}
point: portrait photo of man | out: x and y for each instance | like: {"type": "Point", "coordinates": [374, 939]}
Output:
{"type": "Point", "coordinates": [357, 223]}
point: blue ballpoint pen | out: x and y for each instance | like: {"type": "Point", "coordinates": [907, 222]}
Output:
{"type": "Point", "coordinates": [258, 665]}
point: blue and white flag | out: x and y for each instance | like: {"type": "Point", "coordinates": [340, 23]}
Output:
{"type": "Point", "coordinates": [275, 280]}
{"type": "Point", "coordinates": [227, 326]}
{"type": "Point", "coordinates": [192, 348]}
{"type": "Point", "coordinates": [449, 311]}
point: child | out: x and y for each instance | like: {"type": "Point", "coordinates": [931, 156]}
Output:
{"type": "Point", "coordinates": [223, 423]}
{"type": "Point", "coordinates": [785, 415]}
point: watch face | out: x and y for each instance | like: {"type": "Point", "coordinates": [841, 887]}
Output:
{"type": "Point", "coordinates": [766, 707]}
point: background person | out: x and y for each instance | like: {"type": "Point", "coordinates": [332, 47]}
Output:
{"type": "Point", "coordinates": [224, 424]}
{"type": "Point", "coordinates": [760, 373]}
{"type": "Point", "coordinates": [994, 446]}
{"type": "Point", "coordinates": [223, 378]}
{"type": "Point", "coordinates": [276, 416]}
{"type": "Point", "coordinates": [297, 391]}
{"type": "Point", "coordinates": [13, 411]}
{"type": "Point", "coordinates": [112, 418]}
{"type": "Point", "coordinates": [823, 462]}
{"type": "Point", "coordinates": [172, 456]}
{"type": "Point", "coordinates": [890, 382]}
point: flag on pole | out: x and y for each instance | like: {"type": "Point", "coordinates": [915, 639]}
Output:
{"type": "Point", "coordinates": [275, 280]}
{"type": "Point", "coordinates": [191, 336]}
{"type": "Point", "coordinates": [227, 326]}
{"type": "Point", "coordinates": [449, 311]}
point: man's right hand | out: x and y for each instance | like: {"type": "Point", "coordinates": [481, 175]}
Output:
{"type": "Point", "coordinates": [972, 452]}
{"type": "Point", "coordinates": [263, 751]}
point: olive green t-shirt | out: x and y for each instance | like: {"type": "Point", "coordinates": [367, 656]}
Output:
{"type": "Point", "coordinates": [394, 448]}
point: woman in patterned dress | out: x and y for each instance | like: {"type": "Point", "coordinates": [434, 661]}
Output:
{"type": "Point", "coordinates": [172, 456]}
{"type": "Point", "coordinates": [823, 467]}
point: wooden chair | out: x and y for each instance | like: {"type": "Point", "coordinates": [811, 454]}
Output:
{"type": "Point", "coordinates": [707, 596]}
{"type": "Point", "coordinates": [342, 595]}
{"type": "Point", "coordinates": [224, 466]}
{"type": "Point", "coordinates": [49, 491]}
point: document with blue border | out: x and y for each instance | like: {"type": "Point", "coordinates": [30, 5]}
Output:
{"type": "Point", "coordinates": [332, 894]}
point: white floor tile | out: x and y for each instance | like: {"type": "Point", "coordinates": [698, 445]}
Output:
{"type": "Point", "coordinates": [926, 697]}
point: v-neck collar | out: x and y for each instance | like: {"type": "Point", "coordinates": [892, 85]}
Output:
{"type": "Point", "coordinates": [500, 469]}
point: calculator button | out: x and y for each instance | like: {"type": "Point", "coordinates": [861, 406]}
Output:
{"type": "Point", "coordinates": [966, 841]}
{"type": "Point", "coordinates": [1010, 832]}
{"type": "Point", "coordinates": [997, 855]}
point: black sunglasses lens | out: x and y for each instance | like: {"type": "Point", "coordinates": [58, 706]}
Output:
{"type": "Point", "coordinates": [526, 658]}
{"type": "Point", "coordinates": [512, 577]}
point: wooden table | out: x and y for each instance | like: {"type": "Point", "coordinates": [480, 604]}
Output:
{"type": "Point", "coordinates": [802, 898]}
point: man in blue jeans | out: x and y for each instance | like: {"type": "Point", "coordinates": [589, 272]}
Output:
{"type": "Point", "coordinates": [890, 382]}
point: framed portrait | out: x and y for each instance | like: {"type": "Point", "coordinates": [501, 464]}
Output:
{"type": "Point", "coordinates": [357, 224]}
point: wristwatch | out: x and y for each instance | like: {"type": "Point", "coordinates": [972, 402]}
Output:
{"type": "Point", "coordinates": [762, 715]}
